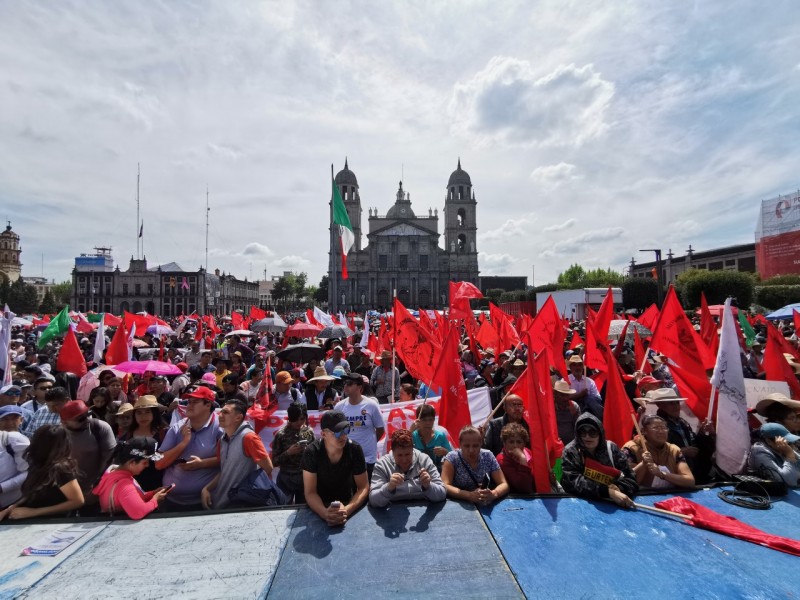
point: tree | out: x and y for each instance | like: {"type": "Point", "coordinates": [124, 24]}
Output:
{"type": "Point", "coordinates": [22, 297]}
{"type": "Point", "coordinates": [495, 294]}
{"type": "Point", "coordinates": [573, 276]}
{"type": "Point", "coordinates": [62, 292]}
{"type": "Point", "coordinates": [716, 285]}
{"type": "Point", "coordinates": [48, 304]}
{"type": "Point", "coordinates": [310, 295]}
{"type": "Point", "coordinates": [576, 277]}
{"type": "Point", "coordinates": [639, 292]}
{"type": "Point", "coordinates": [321, 296]}
{"type": "Point", "coordinates": [282, 290]}
{"type": "Point", "coordinates": [5, 289]}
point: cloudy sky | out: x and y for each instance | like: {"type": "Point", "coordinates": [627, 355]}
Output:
{"type": "Point", "coordinates": [589, 129]}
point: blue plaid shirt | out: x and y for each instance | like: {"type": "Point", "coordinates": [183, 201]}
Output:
{"type": "Point", "coordinates": [41, 417]}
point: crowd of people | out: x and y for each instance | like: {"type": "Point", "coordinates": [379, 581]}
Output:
{"type": "Point", "coordinates": [187, 443]}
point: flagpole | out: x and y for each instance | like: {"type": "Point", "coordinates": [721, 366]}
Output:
{"type": "Point", "coordinates": [332, 283]}
{"type": "Point", "coordinates": [138, 174]}
{"type": "Point", "coordinates": [394, 333]}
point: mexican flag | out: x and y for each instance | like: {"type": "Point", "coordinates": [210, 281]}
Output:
{"type": "Point", "coordinates": [58, 325]}
{"type": "Point", "coordinates": [341, 221]}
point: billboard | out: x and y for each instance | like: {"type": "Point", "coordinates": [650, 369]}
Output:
{"type": "Point", "coordinates": [778, 236]}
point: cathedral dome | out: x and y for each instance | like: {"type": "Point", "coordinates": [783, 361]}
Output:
{"type": "Point", "coordinates": [459, 177]}
{"type": "Point", "coordinates": [346, 176]}
{"type": "Point", "coordinates": [402, 206]}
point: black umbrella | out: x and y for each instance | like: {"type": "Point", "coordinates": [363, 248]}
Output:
{"type": "Point", "coordinates": [335, 331]}
{"type": "Point", "coordinates": [301, 353]}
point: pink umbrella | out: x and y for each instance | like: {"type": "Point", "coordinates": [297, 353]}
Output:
{"type": "Point", "coordinates": [140, 367]}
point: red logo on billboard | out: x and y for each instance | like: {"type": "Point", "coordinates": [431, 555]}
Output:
{"type": "Point", "coordinates": [781, 207]}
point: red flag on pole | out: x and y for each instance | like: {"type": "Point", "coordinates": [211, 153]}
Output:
{"type": "Point", "coordinates": [418, 349]}
{"type": "Point", "coordinates": [453, 406]}
{"type": "Point", "coordinates": [775, 364]}
{"type": "Point", "coordinates": [256, 313]}
{"type": "Point", "coordinates": [460, 294]}
{"type": "Point", "coordinates": [70, 358]}
{"type": "Point", "coordinates": [117, 351]}
{"type": "Point", "coordinates": [649, 317]}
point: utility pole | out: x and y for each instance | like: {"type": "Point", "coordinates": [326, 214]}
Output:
{"type": "Point", "coordinates": [658, 273]}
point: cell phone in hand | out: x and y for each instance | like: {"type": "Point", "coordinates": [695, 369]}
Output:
{"type": "Point", "coordinates": [336, 505]}
{"type": "Point", "coordinates": [302, 443]}
{"type": "Point", "coordinates": [486, 482]}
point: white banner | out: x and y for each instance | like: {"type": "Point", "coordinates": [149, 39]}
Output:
{"type": "Point", "coordinates": [756, 390]}
{"type": "Point", "coordinates": [399, 415]}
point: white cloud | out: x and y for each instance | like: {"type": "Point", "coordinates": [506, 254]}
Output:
{"type": "Point", "coordinates": [496, 264]}
{"type": "Point", "coordinates": [510, 229]}
{"type": "Point", "coordinates": [257, 250]}
{"type": "Point", "coordinates": [509, 102]}
{"type": "Point", "coordinates": [560, 226]}
{"type": "Point", "coordinates": [550, 176]}
{"type": "Point", "coordinates": [584, 243]}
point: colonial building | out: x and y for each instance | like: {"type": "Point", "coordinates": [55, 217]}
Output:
{"type": "Point", "coordinates": [165, 290]}
{"type": "Point", "coordinates": [730, 258]}
{"type": "Point", "coordinates": [10, 266]}
{"type": "Point", "coordinates": [403, 251]}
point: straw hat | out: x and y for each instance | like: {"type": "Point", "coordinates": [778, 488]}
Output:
{"type": "Point", "coordinates": [658, 396]}
{"type": "Point", "coordinates": [320, 374]}
{"type": "Point", "coordinates": [125, 408]}
{"type": "Point", "coordinates": [147, 401]}
{"type": "Point", "coordinates": [774, 397]}
{"type": "Point", "coordinates": [562, 387]}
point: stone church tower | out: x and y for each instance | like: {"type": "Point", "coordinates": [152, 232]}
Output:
{"type": "Point", "coordinates": [10, 266]}
{"type": "Point", "coordinates": [403, 251]}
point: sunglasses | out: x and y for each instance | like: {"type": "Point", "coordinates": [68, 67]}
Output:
{"type": "Point", "coordinates": [13, 393]}
{"type": "Point", "coordinates": [588, 433]}
{"type": "Point", "coordinates": [338, 434]}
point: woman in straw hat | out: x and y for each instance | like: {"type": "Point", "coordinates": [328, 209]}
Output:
{"type": "Point", "coordinates": [319, 393]}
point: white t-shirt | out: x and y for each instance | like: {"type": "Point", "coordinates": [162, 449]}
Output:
{"type": "Point", "coordinates": [364, 419]}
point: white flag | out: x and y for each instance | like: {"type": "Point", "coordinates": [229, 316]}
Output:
{"type": "Point", "coordinates": [365, 333]}
{"type": "Point", "coordinates": [131, 337]}
{"type": "Point", "coordinates": [100, 340]}
{"type": "Point", "coordinates": [733, 433]}
{"type": "Point", "coordinates": [323, 318]}
{"type": "Point", "coordinates": [5, 343]}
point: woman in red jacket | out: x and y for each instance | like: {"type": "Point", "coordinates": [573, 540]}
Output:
{"type": "Point", "coordinates": [515, 458]}
{"type": "Point", "coordinates": [118, 490]}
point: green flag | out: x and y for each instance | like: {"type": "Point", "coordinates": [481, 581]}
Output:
{"type": "Point", "coordinates": [57, 326]}
{"type": "Point", "coordinates": [747, 330]}
{"type": "Point", "coordinates": [341, 221]}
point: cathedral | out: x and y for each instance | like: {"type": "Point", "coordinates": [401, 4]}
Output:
{"type": "Point", "coordinates": [10, 266]}
{"type": "Point", "coordinates": [403, 251]}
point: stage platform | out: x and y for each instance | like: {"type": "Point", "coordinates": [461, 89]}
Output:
{"type": "Point", "coordinates": [521, 547]}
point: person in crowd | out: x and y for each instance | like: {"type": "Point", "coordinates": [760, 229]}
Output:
{"type": "Point", "coordinates": [240, 452]}
{"type": "Point", "coordinates": [655, 462]}
{"type": "Point", "coordinates": [515, 459]}
{"type": "Point", "coordinates": [335, 478]}
{"type": "Point", "coordinates": [192, 357]}
{"type": "Point", "coordinates": [231, 391]}
{"type": "Point", "coordinates": [567, 410]}
{"type": "Point", "coordinates": [118, 489]}
{"type": "Point", "coordinates": [381, 380]}
{"type": "Point", "coordinates": [221, 370]}
{"type": "Point", "coordinates": [319, 393]}
{"type": "Point", "coordinates": [354, 359]}
{"type": "Point", "coordinates": [586, 394]}
{"type": "Point", "coordinates": [92, 444]}
{"type": "Point", "coordinates": [100, 404]}
{"type": "Point", "coordinates": [54, 401]}
{"type": "Point", "coordinates": [595, 468]}
{"type": "Point", "coordinates": [514, 413]}
{"type": "Point", "coordinates": [250, 386]}
{"type": "Point", "coordinates": [181, 382]}
{"type": "Point", "coordinates": [485, 370]}
{"type": "Point", "coordinates": [336, 360]}
{"type": "Point", "coordinates": [408, 392]}
{"type": "Point", "coordinates": [772, 457]}
{"type": "Point", "coordinates": [205, 364]}
{"type": "Point", "coordinates": [158, 387]}
{"type": "Point", "coordinates": [468, 367]}
{"type": "Point", "coordinates": [365, 366]}
{"type": "Point", "coordinates": [190, 452]}
{"type": "Point", "coordinates": [147, 423]}
{"type": "Point", "coordinates": [429, 439]}
{"type": "Point", "coordinates": [40, 387]}
{"type": "Point", "coordinates": [237, 367]}
{"type": "Point", "coordinates": [472, 473]}
{"type": "Point", "coordinates": [118, 396]}
{"type": "Point", "coordinates": [123, 419]}
{"type": "Point", "coordinates": [287, 451]}
{"type": "Point", "coordinates": [364, 416]}
{"type": "Point", "coordinates": [777, 408]}
{"type": "Point", "coordinates": [285, 392]}
{"type": "Point", "coordinates": [405, 474]}
{"type": "Point", "coordinates": [755, 359]}
{"type": "Point", "coordinates": [13, 466]}
{"type": "Point", "coordinates": [235, 345]}
{"type": "Point", "coordinates": [51, 487]}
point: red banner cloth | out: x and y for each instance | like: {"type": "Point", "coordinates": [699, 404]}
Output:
{"type": "Point", "coordinates": [705, 518]}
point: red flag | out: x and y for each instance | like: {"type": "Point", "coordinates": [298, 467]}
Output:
{"type": "Point", "coordinates": [70, 357]}
{"type": "Point", "coordinates": [237, 320]}
{"type": "Point", "coordinates": [621, 341]}
{"type": "Point", "coordinates": [617, 408]}
{"type": "Point", "coordinates": [142, 322]}
{"type": "Point", "coordinates": [649, 317]}
{"type": "Point", "coordinates": [576, 341]}
{"type": "Point", "coordinates": [604, 316]}
{"type": "Point", "coordinates": [161, 345]}
{"type": "Point", "coordinates": [696, 389]}
{"type": "Point", "coordinates": [198, 334]}
{"type": "Point", "coordinates": [708, 328]}
{"type": "Point", "coordinates": [795, 317]}
{"type": "Point", "coordinates": [117, 351]}
{"type": "Point", "coordinates": [676, 338]}
{"type": "Point", "coordinates": [547, 331]}
{"type": "Point", "coordinates": [453, 405]}
{"type": "Point", "coordinates": [310, 317]}
{"type": "Point", "coordinates": [426, 323]}
{"type": "Point", "coordinates": [256, 313]}
{"type": "Point", "coordinates": [775, 364]}
{"type": "Point", "coordinates": [212, 324]}
{"type": "Point", "coordinates": [509, 338]}
{"type": "Point", "coordinates": [385, 334]}
{"type": "Point", "coordinates": [265, 394]}
{"type": "Point", "coordinates": [640, 353]}
{"type": "Point", "coordinates": [705, 518]}
{"type": "Point", "coordinates": [418, 349]}
{"type": "Point", "coordinates": [460, 294]}
{"type": "Point", "coordinates": [487, 336]}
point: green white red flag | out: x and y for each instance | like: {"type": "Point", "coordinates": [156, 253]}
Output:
{"type": "Point", "coordinates": [341, 223]}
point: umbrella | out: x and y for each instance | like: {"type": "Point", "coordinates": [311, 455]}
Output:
{"type": "Point", "coordinates": [785, 312]}
{"type": "Point", "coordinates": [617, 325]}
{"type": "Point", "coordinates": [160, 330]}
{"type": "Point", "coordinates": [335, 331]}
{"type": "Point", "coordinates": [301, 330]}
{"type": "Point", "coordinates": [269, 324]}
{"type": "Point", "coordinates": [20, 322]}
{"type": "Point", "coordinates": [142, 366]}
{"type": "Point", "coordinates": [240, 332]}
{"type": "Point", "coordinates": [90, 381]}
{"type": "Point", "coordinates": [716, 310]}
{"type": "Point", "coordinates": [301, 353]}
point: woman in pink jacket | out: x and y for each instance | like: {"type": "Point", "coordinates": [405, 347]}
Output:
{"type": "Point", "coordinates": [118, 490]}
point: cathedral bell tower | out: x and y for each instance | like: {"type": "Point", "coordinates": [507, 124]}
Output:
{"type": "Point", "coordinates": [348, 188]}
{"type": "Point", "coordinates": [460, 228]}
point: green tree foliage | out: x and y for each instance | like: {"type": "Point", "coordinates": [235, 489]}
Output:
{"type": "Point", "coordinates": [321, 295]}
{"type": "Point", "coordinates": [773, 297]}
{"type": "Point", "coordinates": [639, 292]}
{"type": "Point", "coordinates": [5, 290]}
{"type": "Point", "coordinates": [576, 277]}
{"type": "Point", "coordinates": [48, 304]}
{"type": "Point", "coordinates": [22, 298]}
{"type": "Point", "coordinates": [495, 294]}
{"type": "Point", "coordinates": [289, 290]}
{"type": "Point", "coordinates": [781, 280]}
{"type": "Point", "coordinates": [716, 285]}
{"type": "Point", "coordinates": [62, 293]}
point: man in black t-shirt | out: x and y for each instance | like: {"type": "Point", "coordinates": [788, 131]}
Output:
{"type": "Point", "coordinates": [334, 471]}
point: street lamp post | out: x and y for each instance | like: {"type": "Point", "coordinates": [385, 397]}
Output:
{"type": "Point", "coordinates": [660, 289]}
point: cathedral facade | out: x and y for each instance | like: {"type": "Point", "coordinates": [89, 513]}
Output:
{"type": "Point", "coordinates": [403, 251]}
{"type": "Point", "coordinates": [10, 265]}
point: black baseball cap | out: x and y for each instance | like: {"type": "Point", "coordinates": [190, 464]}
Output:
{"type": "Point", "coordinates": [334, 420]}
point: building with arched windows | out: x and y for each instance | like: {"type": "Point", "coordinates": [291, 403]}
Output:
{"type": "Point", "coordinates": [403, 251]}
{"type": "Point", "coordinates": [10, 265]}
